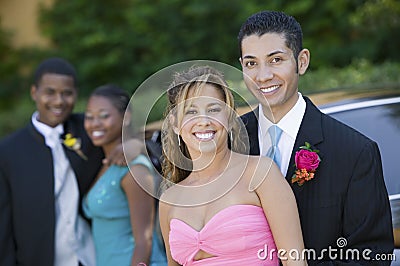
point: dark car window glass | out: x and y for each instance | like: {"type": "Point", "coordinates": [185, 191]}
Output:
{"type": "Point", "coordinates": [382, 124]}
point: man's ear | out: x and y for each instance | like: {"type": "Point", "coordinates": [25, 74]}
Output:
{"type": "Point", "coordinates": [33, 92]}
{"type": "Point", "coordinates": [303, 60]}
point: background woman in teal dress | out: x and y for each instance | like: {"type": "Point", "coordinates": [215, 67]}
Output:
{"type": "Point", "coordinates": [122, 213]}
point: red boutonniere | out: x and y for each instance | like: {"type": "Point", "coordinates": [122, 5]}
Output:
{"type": "Point", "coordinates": [307, 162]}
{"type": "Point", "coordinates": [74, 144]}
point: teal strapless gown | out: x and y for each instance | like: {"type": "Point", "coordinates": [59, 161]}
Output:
{"type": "Point", "coordinates": [107, 206]}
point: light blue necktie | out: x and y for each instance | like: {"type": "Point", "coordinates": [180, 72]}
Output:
{"type": "Point", "coordinates": [273, 152]}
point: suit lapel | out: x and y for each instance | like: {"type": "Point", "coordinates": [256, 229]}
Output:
{"type": "Point", "coordinates": [85, 171]}
{"type": "Point", "coordinates": [76, 162]}
{"type": "Point", "coordinates": [250, 121]}
{"type": "Point", "coordinates": [69, 128]}
{"type": "Point", "coordinates": [310, 131]}
{"type": "Point", "coordinates": [43, 161]}
{"type": "Point", "coordinates": [35, 133]}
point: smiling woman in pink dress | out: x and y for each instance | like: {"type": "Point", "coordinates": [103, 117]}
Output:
{"type": "Point", "coordinates": [221, 207]}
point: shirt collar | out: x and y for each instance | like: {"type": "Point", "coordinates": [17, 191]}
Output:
{"type": "Point", "coordinates": [290, 123]}
{"type": "Point", "coordinates": [44, 129]}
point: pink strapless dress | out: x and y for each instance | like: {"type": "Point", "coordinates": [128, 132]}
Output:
{"type": "Point", "coordinates": [237, 235]}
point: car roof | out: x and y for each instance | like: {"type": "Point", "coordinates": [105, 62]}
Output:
{"type": "Point", "coordinates": [337, 100]}
{"type": "Point", "coordinates": [357, 104]}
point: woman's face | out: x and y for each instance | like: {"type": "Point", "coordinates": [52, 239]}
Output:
{"type": "Point", "coordinates": [103, 122]}
{"type": "Point", "coordinates": [204, 121]}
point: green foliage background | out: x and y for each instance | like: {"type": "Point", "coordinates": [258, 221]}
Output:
{"type": "Point", "coordinates": [126, 41]}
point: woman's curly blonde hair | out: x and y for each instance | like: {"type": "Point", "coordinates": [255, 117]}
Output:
{"type": "Point", "coordinates": [177, 162]}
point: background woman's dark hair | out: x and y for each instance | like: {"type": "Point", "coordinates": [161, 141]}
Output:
{"type": "Point", "coordinates": [118, 97]}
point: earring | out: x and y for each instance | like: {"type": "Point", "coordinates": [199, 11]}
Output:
{"type": "Point", "coordinates": [231, 135]}
{"type": "Point", "coordinates": [179, 140]}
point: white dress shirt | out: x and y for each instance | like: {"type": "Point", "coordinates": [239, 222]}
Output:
{"type": "Point", "coordinates": [73, 239]}
{"type": "Point", "coordinates": [290, 125]}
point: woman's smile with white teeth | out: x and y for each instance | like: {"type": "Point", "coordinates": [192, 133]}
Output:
{"type": "Point", "coordinates": [97, 133]}
{"type": "Point", "coordinates": [205, 135]}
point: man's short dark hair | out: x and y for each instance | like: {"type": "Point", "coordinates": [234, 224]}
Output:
{"type": "Point", "coordinates": [55, 65]}
{"type": "Point", "coordinates": [273, 22]}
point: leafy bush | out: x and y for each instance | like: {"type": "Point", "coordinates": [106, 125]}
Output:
{"type": "Point", "coordinates": [360, 73]}
{"type": "Point", "coordinates": [125, 41]}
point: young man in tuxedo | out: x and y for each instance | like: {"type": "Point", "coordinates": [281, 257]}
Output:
{"type": "Point", "coordinates": [345, 206]}
{"type": "Point", "coordinates": [42, 179]}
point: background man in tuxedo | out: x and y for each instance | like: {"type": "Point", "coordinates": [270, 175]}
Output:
{"type": "Point", "coordinates": [347, 199]}
{"type": "Point", "coordinates": [42, 180]}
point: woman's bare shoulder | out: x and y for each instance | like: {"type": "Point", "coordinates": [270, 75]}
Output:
{"type": "Point", "coordinates": [168, 193]}
{"type": "Point", "coordinates": [258, 169]}
{"type": "Point", "coordinates": [254, 162]}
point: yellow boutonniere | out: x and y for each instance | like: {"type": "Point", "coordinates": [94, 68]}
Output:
{"type": "Point", "coordinates": [74, 144]}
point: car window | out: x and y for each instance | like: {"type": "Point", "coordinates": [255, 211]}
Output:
{"type": "Point", "coordinates": [382, 124]}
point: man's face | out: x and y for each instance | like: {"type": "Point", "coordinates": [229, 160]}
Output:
{"type": "Point", "coordinates": [271, 72]}
{"type": "Point", "coordinates": [55, 97]}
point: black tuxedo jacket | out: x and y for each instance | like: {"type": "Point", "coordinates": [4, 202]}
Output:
{"type": "Point", "coordinates": [347, 201]}
{"type": "Point", "coordinates": [27, 203]}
